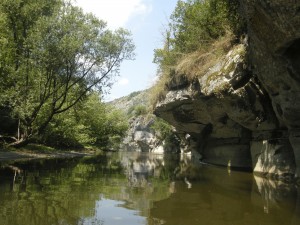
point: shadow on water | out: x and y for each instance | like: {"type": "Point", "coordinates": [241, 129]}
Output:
{"type": "Point", "coordinates": [139, 188]}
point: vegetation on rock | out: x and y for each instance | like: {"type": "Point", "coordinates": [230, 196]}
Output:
{"type": "Point", "coordinates": [199, 33]}
{"type": "Point", "coordinates": [147, 132]}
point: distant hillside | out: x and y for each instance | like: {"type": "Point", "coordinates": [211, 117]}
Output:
{"type": "Point", "coordinates": [129, 102]}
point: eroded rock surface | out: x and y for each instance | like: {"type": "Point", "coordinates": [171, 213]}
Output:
{"type": "Point", "coordinates": [245, 111]}
{"type": "Point", "coordinates": [140, 137]}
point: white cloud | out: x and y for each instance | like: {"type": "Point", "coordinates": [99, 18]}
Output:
{"type": "Point", "coordinates": [123, 82]}
{"type": "Point", "coordinates": [115, 12]}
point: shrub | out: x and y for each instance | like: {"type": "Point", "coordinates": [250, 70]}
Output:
{"type": "Point", "coordinates": [197, 23]}
{"type": "Point", "coordinates": [165, 132]}
{"type": "Point", "coordinates": [140, 110]}
{"type": "Point", "coordinates": [199, 33]}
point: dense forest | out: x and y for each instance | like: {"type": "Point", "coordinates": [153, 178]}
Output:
{"type": "Point", "coordinates": [55, 63]}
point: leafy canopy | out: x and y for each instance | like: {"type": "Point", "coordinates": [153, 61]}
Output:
{"type": "Point", "coordinates": [90, 123]}
{"type": "Point", "coordinates": [52, 55]}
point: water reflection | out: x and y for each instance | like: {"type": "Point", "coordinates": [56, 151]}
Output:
{"type": "Point", "coordinates": [274, 193]}
{"type": "Point", "coordinates": [221, 197]}
{"type": "Point", "coordinates": [82, 191]}
{"type": "Point", "coordinates": [139, 188]}
{"type": "Point", "coordinates": [112, 212]}
{"type": "Point", "coordinates": [277, 198]}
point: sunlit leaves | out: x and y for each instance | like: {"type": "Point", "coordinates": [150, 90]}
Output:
{"type": "Point", "coordinates": [89, 123]}
{"type": "Point", "coordinates": [52, 56]}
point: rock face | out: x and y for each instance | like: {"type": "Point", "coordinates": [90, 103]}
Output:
{"type": "Point", "coordinates": [245, 111]}
{"type": "Point", "coordinates": [140, 136]}
{"type": "Point", "coordinates": [274, 31]}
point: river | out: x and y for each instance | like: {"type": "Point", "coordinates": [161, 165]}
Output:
{"type": "Point", "coordinates": [141, 189]}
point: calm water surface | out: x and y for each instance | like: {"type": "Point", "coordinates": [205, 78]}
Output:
{"type": "Point", "coordinates": [140, 189]}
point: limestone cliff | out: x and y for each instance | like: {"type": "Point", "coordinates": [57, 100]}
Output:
{"type": "Point", "coordinates": [245, 111]}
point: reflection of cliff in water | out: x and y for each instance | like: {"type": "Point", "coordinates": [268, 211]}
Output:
{"type": "Point", "coordinates": [155, 189]}
{"type": "Point", "coordinates": [142, 168]}
{"type": "Point", "coordinates": [222, 197]}
{"type": "Point", "coordinates": [68, 191]}
{"type": "Point", "coordinates": [278, 200]}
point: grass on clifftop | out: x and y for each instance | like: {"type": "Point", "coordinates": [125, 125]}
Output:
{"type": "Point", "coordinates": [199, 33]}
{"type": "Point", "coordinates": [196, 64]}
{"type": "Point", "coordinates": [192, 65]}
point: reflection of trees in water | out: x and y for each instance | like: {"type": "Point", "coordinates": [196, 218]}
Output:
{"type": "Point", "coordinates": [55, 191]}
{"type": "Point", "coordinates": [63, 191]}
{"type": "Point", "coordinates": [66, 191]}
{"type": "Point", "coordinates": [18, 181]}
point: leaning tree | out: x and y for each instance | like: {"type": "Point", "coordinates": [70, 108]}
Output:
{"type": "Point", "coordinates": [54, 61]}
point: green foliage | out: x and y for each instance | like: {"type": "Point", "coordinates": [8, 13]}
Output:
{"type": "Point", "coordinates": [196, 23]}
{"type": "Point", "coordinates": [133, 94]}
{"type": "Point", "coordinates": [89, 123]}
{"type": "Point", "coordinates": [38, 148]}
{"type": "Point", "coordinates": [65, 131]}
{"type": "Point", "coordinates": [8, 125]}
{"type": "Point", "coordinates": [166, 57]}
{"type": "Point", "coordinates": [137, 110]}
{"type": "Point", "coordinates": [198, 33]}
{"type": "Point", "coordinates": [165, 132]}
{"type": "Point", "coordinates": [162, 128]}
{"type": "Point", "coordinates": [140, 110]}
{"type": "Point", "coordinates": [51, 56]}
{"type": "Point", "coordinates": [116, 125]}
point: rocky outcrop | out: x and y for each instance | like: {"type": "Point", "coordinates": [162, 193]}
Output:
{"type": "Point", "coordinates": [217, 113]}
{"type": "Point", "coordinates": [127, 103]}
{"type": "Point", "coordinates": [245, 111]}
{"type": "Point", "coordinates": [274, 31]}
{"type": "Point", "coordinates": [141, 137]}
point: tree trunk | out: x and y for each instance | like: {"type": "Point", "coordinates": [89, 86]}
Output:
{"type": "Point", "coordinates": [20, 143]}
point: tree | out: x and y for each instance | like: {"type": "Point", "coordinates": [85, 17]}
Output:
{"type": "Point", "coordinates": [65, 55]}
{"type": "Point", "coordinates": [197, 34]}
{"type": "Point", "coordinates": [165, 133]}
{"type": "Point", "coordinates": [196, 23]}
{"type": "Point", "coordinates": [107, 124]}
{"type": "Point", "coordinates": [17, 18]}
{"type": "Point", "coordinates": [89, 123]}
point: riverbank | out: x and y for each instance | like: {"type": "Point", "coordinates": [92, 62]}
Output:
{"type": "Point", "coordinates": [41, 152]}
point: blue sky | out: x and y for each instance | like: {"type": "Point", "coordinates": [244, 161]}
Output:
{"type": "Point", "coordinates": [146, 19]}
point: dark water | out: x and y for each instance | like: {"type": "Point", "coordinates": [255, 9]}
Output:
{"type": "Point", "coordinates": [133, 188]}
